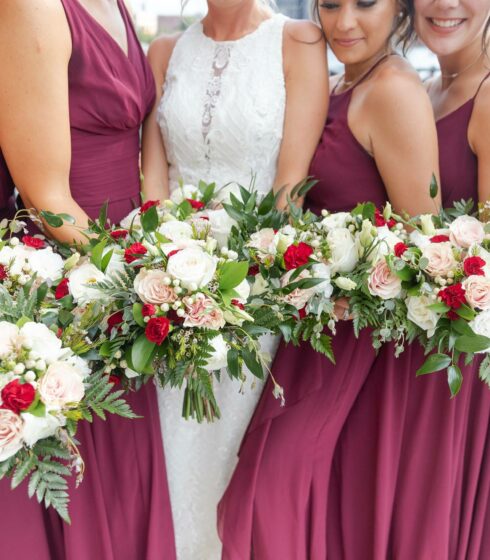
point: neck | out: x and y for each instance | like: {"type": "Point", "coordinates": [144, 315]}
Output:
{"type": "Point", "coordinates": [469, 60]}
{"type": "Point", "coordinates": [235, 21]}
{"type": "Point", "coordinates": [354, 72]}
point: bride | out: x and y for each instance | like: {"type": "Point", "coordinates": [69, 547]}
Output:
{"type": "Point", "coordinates": [241, 94]}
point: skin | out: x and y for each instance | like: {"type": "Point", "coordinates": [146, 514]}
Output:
{"type": "Point", "coordinates": [305, 69]}
{"type": "Point", "coordinates": [457, 48]}
{"type": "Point", "coordinates": [381, 110]}
{"type": "Point", "coordinates": [34, 112]}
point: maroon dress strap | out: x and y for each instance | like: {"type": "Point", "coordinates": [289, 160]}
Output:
{"type": "Point", "coordinates": [366, 75]}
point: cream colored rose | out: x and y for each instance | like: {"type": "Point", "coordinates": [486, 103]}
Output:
{"type": "Point", "coordinates": [219, 356]}
{"type": "Point", "coordinates": [203, 312]}
{"type": "Point", "coordinates": [385, 244]}
{"type": "Point", "coordinates": [466, 230]}
{"type": "Point", "coordinates": [441, 259]}
{"type": "Point", "coordinates": [419, 313]}
{"type": "Point", "coordinates": [344, 251]}
{"type": "Point", "coordinates": [177, 232]}
{"type": "Point", "coordinates": [477, 291]}
{"type": "Point", "coordinates": [60, 385]}
{"type": "Point", "coordinates": [221, 224]}
{"type": "Point", "coordinates": [39, 427]}
{"type": "Point", "coordinates": [193, 267]}
{"type": "Point", "coordinates": [264, 241]}
{"type": "Point", "coordinates": [46, 264]}
{"type": "Point", "coordinates": [152, 287]}
{"type": "Point", "coordinates": [383, 282]}
{"type": "Point", "coordinates": [9, 338]}
{"type": "Point", "coordinates": [11, 426]}
{"type": "Point", "coordinates": [335, 221]}
{"type": "Point", "coordinates": [481, 325]}
{"type": "Point", "coordinates": [42, 341]}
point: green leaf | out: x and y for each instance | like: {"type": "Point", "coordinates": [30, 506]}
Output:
{"type": "Point", "coordinates": [466, 312]}
{"type": "Point", "coordinates": [472, 344]}
{"type": "Point", "coordinates": [484, 371]}
{"type": "Point", "coordinates": [207, 192]}
{"type": "Point", "coordinates": [23, 469]}
{"type": "Point", "coordinates": [142, 353]}
{"type": "Point", "coordinates": [103, 216]}
{"type": "Point", "coordinates": [461, 327]}
{"type": "Point", "coordinates": [406, 273]}
{"type": "Point", "coordinates": [233, 363]}
{"type": "Point", "coordinates": [37, 408]}
{"type": "Point", "coordinates": [105, 349]}
{"type": "Point", "coordinates": [439, 307]}
{"type": "Point", "coordinates": [252, 363]}
{"type": "Point", "coordinates": [106, 259]}
{"type": "Point", "coordinates": [323, 344]}
{"type": "Point", "coordinates": [454, 379]}
{"type": "Point", "coordinates": [434, 186]}
{"type": "Point", "coordinates": [97, 252]}
{"type": "Point", "coordinates": [65, 317]}
{"type": "Point", "coordinates": [67, 218]}
{"type": "Point", "coordinates": [435, 362]}
{"type": "Point", "coordinates": [51, 219]}
{"type": "Point", "coordinates": [267, 204]}
{"type": "Point", "coordinates": [232, 274]}
{"type": "Point", "coordinates": [137, 315]}
{"type": "Point", "coordinates": [149, 219]}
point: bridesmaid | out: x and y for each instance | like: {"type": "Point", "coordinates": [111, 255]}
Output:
{"type": "Point", "coordinates": [71, 106]}
{"type": "Point", "coordinates": [290, 496]}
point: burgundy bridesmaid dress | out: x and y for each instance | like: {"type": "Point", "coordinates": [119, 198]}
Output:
{"type": "Point", "coordinates": [365, 461]}
{"type": "Point", "coordinates": [121, 511]}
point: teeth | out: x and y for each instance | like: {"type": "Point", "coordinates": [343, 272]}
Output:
{"type": "Point", "coordinates": [447, 22]}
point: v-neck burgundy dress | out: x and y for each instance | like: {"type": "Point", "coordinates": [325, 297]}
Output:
{"type": "Point", "coordinates": [121, 511]}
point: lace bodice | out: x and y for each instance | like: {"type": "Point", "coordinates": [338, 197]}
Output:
{"type": "Point", "coordinates": [222, 111]}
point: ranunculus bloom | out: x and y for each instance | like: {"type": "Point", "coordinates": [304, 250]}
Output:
{"type": "Point", "coordinates": [148, 310]}
{"type": "Point", "coordinates": [147, 205]}
{"type": "Point", "coordinates": [150, 286]}
{"type": "Point", "coordinates": [62, 289]}
{"type": "Point", "coordinates": [453, 296]}
{"type": "Point", "coordinates": [473, 266]}
{"type": "Point", "coordinates": [196, 204]}
{"type": "Point", "coordinates": [477, 291]}
{"type": "Point", "coordinates": [439, 238]}
{"type": "Point", "coordinates": [119, 234]}
{"type": "Point", "coordinates": [383, 282]}
{"type": "Point", "coordinates": [399, 249]}
{"type": "Point", "coordinates": [134, 252]}
{"type": "Point", "coordinates": [33, 242]}
{"type": "Point", "coordinates": [17, 396]}
{"type": "Point", "coordinates": [441, 259]}
{"type": "Point", "coordinates": [115, 320]}
{"type": "Point", "coordinates": [60, 385]}
{"type": "Point", "coordinates": [297, 255]}
{"type": "Point", "coordinates": [203, 312]}
{"type": "Point", "coordinates": [11, 426]}
{"type": "Point", "coordinates": [3, 272]}
{"type": "Point", "coordinates": [157, 329]}
{"type": "Point", "coordinates": [465, 231]}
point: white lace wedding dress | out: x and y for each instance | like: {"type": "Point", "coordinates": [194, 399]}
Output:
{"type": "Point", "coordinates": [221, 117]}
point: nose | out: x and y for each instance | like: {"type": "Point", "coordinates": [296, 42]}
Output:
{"type": "Point", "coordinates": [446, 4]}
{"type": "Point", "coordinates": [346, 20]}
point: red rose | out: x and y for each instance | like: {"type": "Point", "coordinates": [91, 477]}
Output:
{"type": "Point", "coordinates": [114, 321]}
{"type": "Point", "coordinates": [3, 272]}
{"type": "Point", "coordinates": [157, 329]}
{"type": "Point", "coordinates": [253, 270]}
{"type": "Point", "coordinates": [174, 252]}
{"type": "Point", "coordinates": [147, 205]}
{"type": "Point", "coordinates": [196, 204]}
{"type": "Point", "coordinates": [474, 266]}
{"type": "Point", "coordinates": [134, 252]}
{"type": "Point", "coordinates": [379, 218]}
{"type": "Point", "coordinates": [399, 249]}
{"type": "Point", "coordinates": [148, 310]}
{"type": "Point", "coordinates": [439, 238]}
{"type": "Point", "coordinates": [119, 234]}
{"type": "Point", "coordinates": [453, 296]}
{"type": "Point", "coordinates": [62, 289]}
{"type": "Point", "coordinates": [297, 255]}
{"type": "Point", "coordinates": [17, 396]}
{"type": "Point", "coordinates": [33, 242]}
{"type": "Point", "coordinates": [237, 303]}
{"type": "Point", "coordinates": [391, 223]}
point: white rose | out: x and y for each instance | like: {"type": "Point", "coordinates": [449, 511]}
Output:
{"type": "Point", "coordinates": [81, 279]}
{"type": "Point", "coordinates": [466, 230]}
{"type": "Point", "coordinates": [419, 240]}
{"type": "Point", "coordinates": [42, 340]}
{"type": "Point", "coordinates": [60, 385]}
{"type": "Point", "coordinates": [345, 283]}
{"type": "Point", "coordinates": [264, 241]}
{"type": "Point", "coordinates": [218, 358]}
{"type": "Point", "coordinates": [441, 259]}
{"type": "Point", "coordinates": [9, 338]}
{"type": "Point", "coordinates": [383, 283]}
{"type": "Point", "coordinates": [335, 221]}
{"type": "Point", "coordinates": [133, 219]}
{"type": "Point", "coordinates": [177, 232]}
{"type": "Point", "coordinates": [481, 325]}
{"type": "Point", "coordinates": [427, 225]}
{"type": "Point", "coordinates": [192, 266]}
{"type": "Point", "coordinates": [321, 270]}
{"type": "Point", "coordinates": [344, 251]}
{"type": "Point", "coordinates": [14, 258]}
{"type": "Point", "coordinates": [284, 238]}
{"type": "Point", "coordinates": [46, 264]}
{"type": "Point", "coordinates": [385, 244]}
{"type": "Point", "coordinates": [477, 292]}
{"type": "Point", "coordinates": [419, 313]}
{"type": "Point", "coordinates": [152, 287]}
{"type": "Point", "coordinates": [221, 223]}
{"type": "Point", "coordinates": [259, 286]}
{"type": "Point", "coordinates": [243, 291]}
{"type": "Point", "coordinates": [179, 194]}
{"type": "Point", "coordinates": [10, 434]}
{"type": "Point", "coordinates": [80, 365]}
{"type": "Point", "coordinates": [39, 427]}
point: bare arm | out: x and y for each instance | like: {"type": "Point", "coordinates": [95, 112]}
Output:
{"type": "Point", "coordinates": [34, 115]}
{"type": "Point", "coordinates": [154, 160]}
{"type": "Point", "coordinates": [478, 136]}
{"type": "Point", "coordinates": [404, 140]}
{"type": "Point", "coordinates": [306, 75]}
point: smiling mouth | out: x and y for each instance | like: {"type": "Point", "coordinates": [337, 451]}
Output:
{"type": "Point", "coordinates": [446, 23]}
{"type": "Point", "coordinates": [347, 42]}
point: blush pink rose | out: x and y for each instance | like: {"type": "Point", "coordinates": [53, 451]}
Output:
{"type": "Point", "coordinates": [11, 426]}
{"type": "Point", "coordinates": [441, 259]}
{"type": "Point", "coordinates": [298, 297]}
{"type": "Point", "coordinates": [477, 290]}
{"type": "Point", "coordinates": [152, 287]}
{"type": "Point", "coordinates": [383, 282]}
{"type": "Point", "coordinates": [203, 312]}
{"type": "Point", "coordinates": [60, 385]}
{"type": "Point", "coordinates": [465, 231]}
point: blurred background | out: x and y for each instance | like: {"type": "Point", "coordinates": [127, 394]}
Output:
{"type": "Point", "coordinates": [156, 17]}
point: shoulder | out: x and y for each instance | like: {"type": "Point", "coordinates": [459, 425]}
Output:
{"type": "Point", "coordinates": [160, 51]}
{"type": "Point", "coordinates": [480, 118]}
{"type": "Point", "coordinates": [23, 11]}
{"type": "Point", "coordinates": [302, 31]}
{"type": "Point", "coordinates": [303, 46]}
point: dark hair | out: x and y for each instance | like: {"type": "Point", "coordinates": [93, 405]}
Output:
{"type": "Point", "coordinates": [402, 30]}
